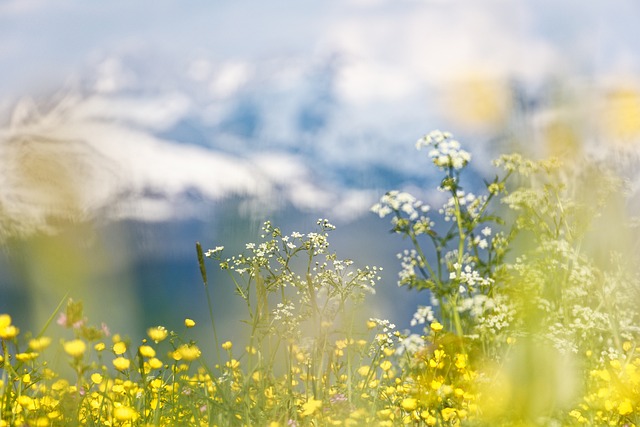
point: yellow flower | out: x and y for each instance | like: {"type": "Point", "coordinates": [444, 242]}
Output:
{"type": "Point", "coordinates": [26, 402]}
{"type": "Point", "coordinates": [448, 413]}
{"type": "Point", "coordinates": [99, 346]}
{"type": "Point", "coordinates": [157, 334]}
{"type": "Point", "coordinates": [233, 364]}
{"type": "Point", "coordinates": [39, 344]}
{"type": "Point", "coordinates": [124, 413]}
{"type": "Point", "coordinates": [461, 361]}
{"type": "Point", "coordinates": [625, 408]}
{"type": "Point", "coordinates": [119, 347]}
{"type": "Point", "coordinates": [363, 370]}
{"type": "Point", "coordinates": [75, 348]}
{"type": "Point", "coordinates": [5, 320]}
{"type": "Point", "coordinates": [9, 331]}
{"type": "Point", "coordinates": [429, 419]}
{"type": "Point", "coordinates": [409, 404]}
{"type": "Point", "coordinates": [436, 326]}
{"type": "Point", "coordinates": [25, 357]}
{"type": "Point", "coordinates": [227, 345]}
{"type": "Point", "coordinates": [121, 363]}
{"type": "Point", "coordinates": [155, 363]}
{"type": "Point", "coordinates": [96, 378]}
{"type": "Point", "coordinates": [385, 365]}
{"type": "Point", "coordinates": [187, 352]}
{"type": "Point", "coordinates": [147, 351]}
{"type": "Point", "coordinates": [189, 323]}
{"type": "Point", "coordinates": [310, 406]}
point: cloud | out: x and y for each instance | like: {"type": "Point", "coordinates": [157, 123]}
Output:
{"type": "Point", "coordinates": [98, 157]}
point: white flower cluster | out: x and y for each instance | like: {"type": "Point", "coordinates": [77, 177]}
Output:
{"type": "Point", "coordinates": [469, 277]}
{"type": "Point", "coordinates": [445, 151]}
{"type": "Point", "coordinates": [396, 201]}
{"type": "Point", "coordinates": [213, 252]}
{"type": "Point", "coordinates": [492, 315]}
{"type": "Point", "coordinates": [411, 344]}
{"type": "Point", "coordinates": [468, 202]}
{"type": "Point", "coordinates": [385, 337]}
{"type": "Point", "coordinates": [423, 314]}
{"type": "Point", "coordinates": [409, 260]}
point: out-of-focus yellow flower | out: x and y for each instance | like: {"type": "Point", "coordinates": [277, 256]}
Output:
{"type": "Point", "coordinates": [385, 365]}
{"type": "Point", "coordinates": [227, 345]}
{"type": "Point", "coordinates": [124, 413]}
{"type": "Point", "coordinates": [25, 357]}
{"type": "Point", "coordinates": [155, 363]}
{"type": "Point", "coordinates": [39, 344]}
{"type": "Point", "coordinates": [5, 320]}
{"type": "Point", "coordinates": [121, 363]}
{"type": "Point", "coordinates": [364, 370]}
{"type": "Point", "coordinates": [120, 347]}
{"type": "Point", "coordinates": [7, 330]}
{"type": "Point", "coordinates": [448, 413]}
{"type": "Point", "coordinates": [75, 348]}
{"type": "Point", "coordinates": [409, 404]}
{"type": "Point", "coordinates": [96, 378]}
{"type": "Point", "coordinates": [157, 334]}
{"type": "Point", "coordinates": [187, 353]}
{"type": "Point", "coordinates": [147, 351]}
{"type": "Point", "coordinates": [26, 402]}
{"type": "Point", "coordinates": [625, 408]}
{"type": "Point", "coordinates": [189, 323]}
{"type": "Point", "coordinates": [232, 364]}
{"type": "Point", "coordinates": [310, 406]}
{"type": "Point", "coordinates": [436, 326]}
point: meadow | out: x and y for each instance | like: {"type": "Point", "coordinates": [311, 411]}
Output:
{"type": "Point", "coordinates": [533, 320]}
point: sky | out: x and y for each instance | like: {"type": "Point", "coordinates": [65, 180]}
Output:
{"type": "Point", "coordinates": [336, 85]}
{"type": "Point", "coordinates": [150, 110]}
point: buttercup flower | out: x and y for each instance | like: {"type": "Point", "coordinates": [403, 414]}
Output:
{"type": "Point", "coordinates": [75, 348]}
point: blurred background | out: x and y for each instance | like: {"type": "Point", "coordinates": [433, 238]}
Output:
{"type": "Point", "coordinates": [131, 130]}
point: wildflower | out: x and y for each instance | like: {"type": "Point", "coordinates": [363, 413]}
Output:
{"type": "Point", "coordinates": [155, 363]}
{"type": "Point", "coordinates": [146, 351]}
{"type": "Point", "coordinates": [232, 364]}
{"type": "Point", "coordinates": [212, 252]}
{"type": "Point", "coordinates": [100, 346]}
{"type": "Point", "coordinates": [119, 347]}
{"type": "Point", "coordinates": [157, 334]}
{"type": "Point", "coordinates": [25, 357]}
{"type": "Point", "coordinates": [409, 404]}
{"type": "Point", "coordinates": [39, 344]}
{"type": "Point", "coordinates": [227, 345]}
{"type": "Point", "coordinates": [7, 330]}
{"type": "Point", "coordinates": [189, 323]}
{"type": "Point", "coordinates": [96, 378]}
{"type": "Point", "coordinates": [436, 326]}
{"type": "Point", "coordinates": [385, 365]}
{"type": "Point", "coordinates": [75, 348]}
{"type": "Point", "coordinates": [363, 370]}
{"type": "Point", "coordinates": [310, 406]}
{"type": "Point", "coordinates": [121, 363]}
{"type": "Point", "coordinates": [187, 353]}
{"type": "Point", "coordinates": [448, 413]}
{"type": "Point", "coordinates": [625, 407]}
{"type": "Point", "coordinates": [124, 413]}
